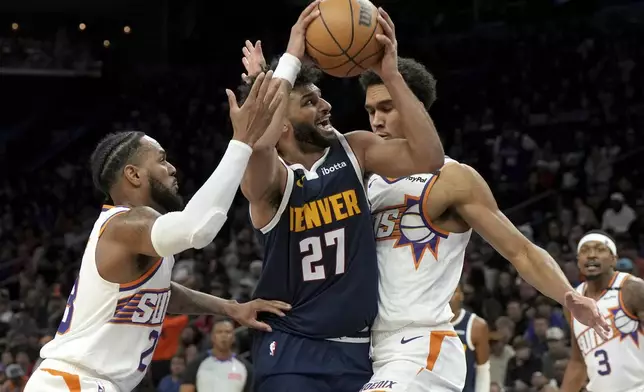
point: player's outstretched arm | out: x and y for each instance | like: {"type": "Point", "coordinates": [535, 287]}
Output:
{"type": "Point", "coordinates": [481, 341]}
{"type": "Point", "coordinates": [421, 151]}
{"type": "Point", "coordinates": [143, 230]}
{"type": "Point", "coordinates": [472, 199]}
{"type": "Point", "coordinates": [575, 376]}
{"type": "Point", "coordinates": [632, 294]}
{"type": "Point", "coordinates": [186, 301]}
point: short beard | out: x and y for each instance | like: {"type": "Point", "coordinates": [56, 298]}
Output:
{"type": "Point", "coordinates": [309, 138]}
{"type": "Point", "coordinates": [165, 197]}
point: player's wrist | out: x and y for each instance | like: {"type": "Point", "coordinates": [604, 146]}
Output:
{"type": "Point", "coordinates": [229, 307]}
{"type": "Point", "coordinates": [288, 68]}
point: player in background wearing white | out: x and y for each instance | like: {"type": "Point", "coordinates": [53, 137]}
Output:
{"type": "Point", "coordinates": [615, 364]}
{"type": "Point", "coordinates": [415, 347]}
{"type": "Point", "coordinates": [475, 337]}
{"type": "Point", "coordinates": [116, 307]}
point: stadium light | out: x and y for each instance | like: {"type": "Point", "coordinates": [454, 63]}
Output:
{"type": "Point", "coordinates": [15, 26]}
{"type": "Point", "coordinates": [107, 43]}
{"type": "Point", "coordinates": [127, 29]}
{"type": "Point", "coordinates": [82, 27]}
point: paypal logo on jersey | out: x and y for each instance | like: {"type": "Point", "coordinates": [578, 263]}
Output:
{"type": "Point", "coordinates": [331, 169]}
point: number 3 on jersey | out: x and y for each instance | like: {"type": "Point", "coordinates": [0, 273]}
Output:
{"type": "Point", "coordinates": [311, 270]}
{"type": "Point", "coordinates": [66, 322]}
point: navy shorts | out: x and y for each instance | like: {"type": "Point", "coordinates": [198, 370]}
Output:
{"type": "Point", "coordinates": [288, 363]}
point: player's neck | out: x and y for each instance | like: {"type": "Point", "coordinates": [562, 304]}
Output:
{"type": "Point", "coordinates": [457, 314]}
{"type": "Point", "coordinates": [595, 287]}
{"type": "Point", "coordinates": [304, 158]}
{"type": "Point", "coordinates": [134, 201]}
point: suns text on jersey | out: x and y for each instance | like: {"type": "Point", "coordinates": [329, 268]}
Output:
{"type": "Point", "coordinates": [144, 308]}
{"type": "Point", "coordinates": [324, 211]}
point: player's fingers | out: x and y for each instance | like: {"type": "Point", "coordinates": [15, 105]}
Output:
{"type": "Point", "coordinates": [387, 18]}
{"type": "Point", "coordinates": [272, 92]}
{"type": "Point", "coordinates": [386, 29]}
{"type": "Point", "coordinates": [258, 47]}
{"type": "Point", "coordinates": [281, 305]}
{"type": "Point", "coordinates": [270, 309]}
{"type": "Point", "coordinates": [263, 89]}
{"type": "Point", "coordinates": [232, 100]}
{"type": "Point", "coordinates": [249, 46]}
{"type": "Point", "coordinates": [272, 108]}
{"type": "Point", "coordinates": [385, 41]}
{"type": "Point", "coordinates": [246, 63]}
{"type": "Point", "coordinates": [310, 18]}
{"type": "Point", "coordinates": [307, 11]}
{"type": "Point", "coordinates": [259, 325]}
{"type": "Point", "coordinates": [255, 89]}
{"type": "Point", "coordinates": [245, 52]}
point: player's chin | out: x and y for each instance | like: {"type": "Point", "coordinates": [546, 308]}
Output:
{"type": "Point", "coordinates": [326, 129]}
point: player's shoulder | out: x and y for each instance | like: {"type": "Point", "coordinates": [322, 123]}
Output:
{"type": "Point", "coordinates": [632, 290]}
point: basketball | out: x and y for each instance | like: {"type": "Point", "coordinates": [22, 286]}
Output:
{"type": "Point", "coordinates": [342, 40]}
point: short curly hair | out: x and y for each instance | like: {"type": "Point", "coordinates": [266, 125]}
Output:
{"type": "Point", "coordinates": [309, 74]}
{"type": "Point", "coordinates": [420, 81]}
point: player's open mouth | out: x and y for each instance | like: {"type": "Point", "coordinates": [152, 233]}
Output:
{"type": "Point", "coordinates": [592, 266]}
{"type": "Point", "coordinates": [324, 124]}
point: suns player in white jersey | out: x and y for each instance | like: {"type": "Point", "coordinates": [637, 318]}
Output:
{"type": "Point", "coordinates": [115, 310]}
{"type": "Point", "coordinates": [615, 364]}
{"type": "Point", "coordinates": [422, 225]}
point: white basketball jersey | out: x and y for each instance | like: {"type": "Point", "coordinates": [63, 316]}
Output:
{"type": "Point", "coordinates": [420, 265]}
{"type": "Point", "coordinates": [616, 364]}
{"type": "Point", "coordinates": [108, 328]}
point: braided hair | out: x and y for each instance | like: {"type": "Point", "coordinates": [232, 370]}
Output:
{"type": "Point", "coordinates": [111, 155]}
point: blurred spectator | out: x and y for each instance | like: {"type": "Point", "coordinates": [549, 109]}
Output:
{"type": "Point", "coordinates": [218, 369]}
{"type": "Point", "coordinates": [16, 379]}
{"type": "Point", "coordinates": [523, 365]}
{"type": "Point", "coordinates": [618, 216]}
{"type": "Point", "coordinates": [167, 347]}
{"type": "Point", "coordinates": [172, 381]}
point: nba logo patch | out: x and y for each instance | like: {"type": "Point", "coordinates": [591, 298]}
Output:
{"type": "Point", "coordinates": [271, 348]}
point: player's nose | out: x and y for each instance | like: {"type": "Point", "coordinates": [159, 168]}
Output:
{"type": "Point", "coordinates": [324, 106]}
{"type": "Point", "coordinates": [171, 169]}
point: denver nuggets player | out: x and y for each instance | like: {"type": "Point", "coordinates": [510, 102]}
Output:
{"type": "Point", "coordinates": [615, 364]}
{"type": "Point", "coordinates": [423, 224]}
{"type": "Point", "coordinates": [115, 310]}
{"type": "Point", "coordinates": [474, 335]}
{"type": "Point", "coordinates": [311, 208]}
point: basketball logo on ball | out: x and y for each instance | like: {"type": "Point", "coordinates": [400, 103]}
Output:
{"type": "Point", "coordinates": [342, 40]}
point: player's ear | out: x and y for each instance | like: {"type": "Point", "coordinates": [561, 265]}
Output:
{"type": "Point", "coordinates": [133, 175]}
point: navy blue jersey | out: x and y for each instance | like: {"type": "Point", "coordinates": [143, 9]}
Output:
{"type": "Point", "coordinates": [463, 327]}
{"type": "Point", "coordinates": [320, 251]}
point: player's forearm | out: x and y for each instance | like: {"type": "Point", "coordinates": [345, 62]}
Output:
{"type": "Point", "coordinates": [424, 145]}
{"type": "Point", "coordinates": [542, 272]}
{"type": "Point", "coordinates": [574, 378]}
{"type": "Point", "coordinates": [186, 301]}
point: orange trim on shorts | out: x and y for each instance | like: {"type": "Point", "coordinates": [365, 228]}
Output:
{"type": "Point", "coordinates": [423, 202]}
{"type": "Point", "coordinates": [147, 275]}
{"type": "Point", "coordinates": [621, 300]}
{"type": "Point", "coordinates": [71, 380]}
{"type": "Point", "coordinates": [435, 342]}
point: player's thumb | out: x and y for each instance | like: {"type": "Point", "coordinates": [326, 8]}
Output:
{"type": "Point", "coordinates": [232, 99]}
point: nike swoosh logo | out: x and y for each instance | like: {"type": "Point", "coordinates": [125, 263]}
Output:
{"type": "Point", "coordinates": [403, 341]}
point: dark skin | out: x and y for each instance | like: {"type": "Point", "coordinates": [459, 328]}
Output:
{"type": "Point", "coordinates": [124, 251]}
{"type": "Point", "coordinates": [597, 263]}
{"type": "Point", "coordinates": [480, 330]}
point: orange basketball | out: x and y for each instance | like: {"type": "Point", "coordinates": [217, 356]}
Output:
{"type": "Point", "coordinates": [342, 40]}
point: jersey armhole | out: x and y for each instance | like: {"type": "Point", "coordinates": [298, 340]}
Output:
{"type": "Point", "coordinates": [352, 158]}
{"type": "Point", "coordinates": [468, 332]}
{"type": "Point", "coordinates": [286, 195]}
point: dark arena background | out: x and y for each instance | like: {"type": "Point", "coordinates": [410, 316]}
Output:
{"type": "Point", "coordinates": [545, 98]}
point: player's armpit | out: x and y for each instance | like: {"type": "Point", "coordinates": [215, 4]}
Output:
{"type": "Point", "coordinates": [632, 294]}
{"type": "Point", "coordinates": [263, 182]}
{"type": "Point", "coordinates": [575, 376]}
{"type": "Point", "coordinates": [391, 158]}
{"type": "Point", "coordinates": [472, 199]}
{"type": "Point", "coordinates": [131, 231]}
{"type": "Point", "coordinates": [481, 340]}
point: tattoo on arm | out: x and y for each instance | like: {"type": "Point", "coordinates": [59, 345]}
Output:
{"type": "Point", "coordinates": [186, 301]}
{"type": "Point", "coordinates": [633, 296]}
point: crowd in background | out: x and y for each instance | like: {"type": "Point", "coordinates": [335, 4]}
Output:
{"type": "Point", "coordinates": [551, 118]}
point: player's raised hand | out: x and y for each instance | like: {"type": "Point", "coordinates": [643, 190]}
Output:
{"type": "Point", "coordinates": [297, 41]}
{"type": "Point", "coordinates": [253, 60]}
{"type": "Point", "coordinates": [251, 120]}
{"type": "Point", "coordinates": [246, 313]}
{"type": "Point", "coordinates": [585, 310]}
{"type": "Point", "coordinates": [388, 65]}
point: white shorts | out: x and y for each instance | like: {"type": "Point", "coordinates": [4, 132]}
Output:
{"type": "Point", "coordinates": [49, 378]}
{"type": "Point", "coordinates": [415, 359]}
